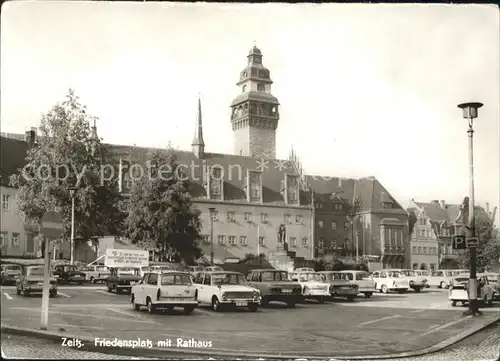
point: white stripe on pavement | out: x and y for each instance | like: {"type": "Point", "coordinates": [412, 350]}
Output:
{"type": "Point", "coordinates": [79, 326]}
{"type": "Point", "coordinates": [418, 311]}
{"type": "Point", "coordinates": [124, 313]}
{"type": "Point", "coordinates": [9, 297]}
{"type": "Point", "coordinates": [444, 326]}
{"type": "Point", "coordinates": [378, 320]}
{"type": "Point", "coordinates": [63, 294]}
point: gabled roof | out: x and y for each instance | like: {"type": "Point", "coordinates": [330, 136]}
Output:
{"type": "Point", "coordinates": [434, 211]}
{"type": "Point", "coordinates": [12, 157]}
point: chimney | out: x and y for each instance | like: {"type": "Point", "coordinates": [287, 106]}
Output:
{"type": "Point", "coordinates": [443, 204]}
{"type": "Point", "coordinates": [435, 201]}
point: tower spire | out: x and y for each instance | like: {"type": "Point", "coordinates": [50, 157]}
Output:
{"type": "Point", "coordinates": [198, 144]}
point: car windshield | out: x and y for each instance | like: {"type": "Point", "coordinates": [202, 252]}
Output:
{"type": "Point", "coordinates": [437, 274]}
{"type": "Point", "coordinates": [304, 277]}
{"type": "Point", "coordinates": [409, 273]}
{"type": "Point", "coordinates": [328, 276]}
{"type": "Point", "coordinates": [35, 271]}
{"type": "Point", "coordinates": [228, 279]}
{"type": "Point", "coordinates": [12, 268]}
{"type": "Point", "coordinates": [176, 279]}
{"type": "Point", "coordinates": [274, 276]}
{"type": "Point", "coordinates": [69, 268]}
{"type": "Point", "coordinates": [340, 276]}
{"type": "Point", "coordinates": [492, 278]}
{"type": "Point", "coordinates": [395, 275]}
{"type": "Point", "coordinates": [102, 269]}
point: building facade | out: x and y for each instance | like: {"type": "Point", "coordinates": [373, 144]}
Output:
{"type": "Point", "coordinates": [261, 204]}
{"type": "Point", "coordinates": [15, 241]}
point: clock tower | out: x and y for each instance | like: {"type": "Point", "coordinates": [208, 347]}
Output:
{"type": "Point", "coordinates": [254, 113]}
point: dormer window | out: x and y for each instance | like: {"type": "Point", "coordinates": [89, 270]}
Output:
{"type": "Point", "coordinates": [291, 189]}
{"type": "Point", "coordinates": [386, 205]}
{"type": "Point", "coordinates": [215, 183]}
{"type": "Point", "coordinates": [254, 186]}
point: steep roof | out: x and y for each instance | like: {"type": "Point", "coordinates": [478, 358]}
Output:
{"type": "Point", "coordinates": [434, 211]}
{"type": "Point", "coordinates": [12, 157]}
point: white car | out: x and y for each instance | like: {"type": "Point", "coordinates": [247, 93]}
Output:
{"type": "Point", "coordinates": [386, 281]}
{"type": "Point", "coordinates": [165, 291]}
{"type": "Point", "coordinates": [95, 274]}
{"type": "Point", "coordinates": [313, 286]}
{"type": "Point", "coordinates": [304, 269]}
{"type": "Point", "coordinates": [212, 269]}
{"type": "Point", "coordinates": [365, 284]}
{"type": "Point", "coordinates": [222, 289]}
{"type": "Point", "coordinates": [415, 281]}
{"type": "Point", "coordinates": [441, 278]}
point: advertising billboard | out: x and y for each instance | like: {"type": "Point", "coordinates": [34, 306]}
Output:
{"type": "Point", "coordinates": [126, 258]}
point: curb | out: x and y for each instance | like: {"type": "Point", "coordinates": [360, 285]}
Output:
{"type": "Point", "coordinates": [175, 353]}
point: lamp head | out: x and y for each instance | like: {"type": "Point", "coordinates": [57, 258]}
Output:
{"type": "Point", "coordinates": [470, 109]}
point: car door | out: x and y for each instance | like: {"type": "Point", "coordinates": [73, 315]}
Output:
{"type": "Point", "coordinates": [206, 290]}
{"type": "Point", "coordinates": [198, 283]}
{"type": "Point", "coordinates": [139, 289]}
{"type": "Point", "coordinates": [375, 278]}
{"type": "Point", "coordinates": [383, 278]}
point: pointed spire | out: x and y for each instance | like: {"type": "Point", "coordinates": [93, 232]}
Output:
{"type": "Point", "coordinates": [198, 144]}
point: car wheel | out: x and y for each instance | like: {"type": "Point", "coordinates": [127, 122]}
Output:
{"type": "Point", "coordinates": [265, 301]}
{"type": "Point", "coordinates": [321, 300]}
{"type": "Point", "coordinates": [52, 294]}
{"type": "Point", "coordinates": [109, 287]}
{"type": "Point", "coordinates": [290, 304]}
{"type": "Point", "coordinates": [188, 310]}
{"type": "Point", "coordinates": [215, 304]}
{"type": "Point", "coordinates": [368, 294]}
{"type": "Point", "coordinates": [453, 303]}
{"type": "Point", "coordinates": [92, 280]}
{"type": "Point", "coordinates": [443, 285]}
{"type": "Point", "coordinates": [151, 307]}
{"type": "Point", "coordinates": [417, 289]}
{"type": "Point", "coordinates": [350, 298]}
{"type": "Point", "coordinates": [25, 293]}
{"type": "Point", "coordinates": [383, 289]}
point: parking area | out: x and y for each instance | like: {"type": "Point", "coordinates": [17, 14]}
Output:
{"type": "Point", "coordinates": [382, 324]}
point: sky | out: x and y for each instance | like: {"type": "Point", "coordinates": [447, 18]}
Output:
{"type": "Point", "coordinates": [365, 89]}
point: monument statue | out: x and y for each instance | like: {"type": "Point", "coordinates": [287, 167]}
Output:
{"type": "Point", "coordinates": [463, 216]}
{"type": "Point", "coordinates": [282, 236]}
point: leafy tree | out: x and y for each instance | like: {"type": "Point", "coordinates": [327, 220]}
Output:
{"type": "Point", "coordinates": [488, 251]}
{"type": "Point", "coordinates": [68, 154]}
{"type": "Point", "coordinates": [161, 214]}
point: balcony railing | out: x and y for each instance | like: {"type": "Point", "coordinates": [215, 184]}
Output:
{"type": "Point", "coordinates": [393, 250]}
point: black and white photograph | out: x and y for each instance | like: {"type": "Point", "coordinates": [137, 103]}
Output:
{"type": "Point", "coordinates": [244, 181]}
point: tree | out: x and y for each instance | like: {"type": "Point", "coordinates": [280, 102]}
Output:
{"type": "Point", "coordinates": [488, 251]}
{"type": "Point", "coordinates": [161, 214]}
{"type": "Point", "coordinates": [68, 154]}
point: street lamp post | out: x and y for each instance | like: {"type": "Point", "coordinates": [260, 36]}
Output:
{"type": "Point", "coordinates": [470, 113]}
{"type": "Point", "coordinates": [72, 192]}
{"type": "Point", "coordinates": [211, 210]}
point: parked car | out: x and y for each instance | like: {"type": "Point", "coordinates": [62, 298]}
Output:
{"type": "Point", "coordinates": [415, 281]}
{"type": "Point", "coordinates": [122, 279]}
{"type": "Point", "coordinates": [159, 290]}
{"type": "Point", "coordinates": [212, 269]}
{"type": "Point", "coordinates": [275, 285]}
{"type": "Point", "coordinates": [425, 274]}
{"type": "Point", "coordinates": [95, 274]}
{"type": "Point", "coordinates": [458, 290]}
{"type": "Point", "coordinates": [441, 278]}
{"type": "Point", "coordinates": [494, 281]}
{"type": "Point", "coordinates": [31, 281]}
{"type": "Point", "coordinates": [143, 270]}
{"type": "Point", "coordinates": [362, 279]}
{"type": "Point", "coordinates": [313, 286]}
{"type": "Point", "coordinates": [340, 286]}
{"type": "Point", "coordinates": [304, 269]}
{"type": "Point", "coordinates": [195, 269]}
{"type": "Point", "coordinates": [9, 273]}
{"type": "Point", "coordinates": [222, 289]}
{"type": "Point", "coordinates": [387, 281]}
{"type": "Point", "coordinates": [68, 273]}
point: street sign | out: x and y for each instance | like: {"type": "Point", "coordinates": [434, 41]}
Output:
{"type": "Point", "coordinates": [458, 242]}
{"type": "Point", "coordinates": [52, 225]}
{"type": "Point", "coordinates": [472, 242]}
